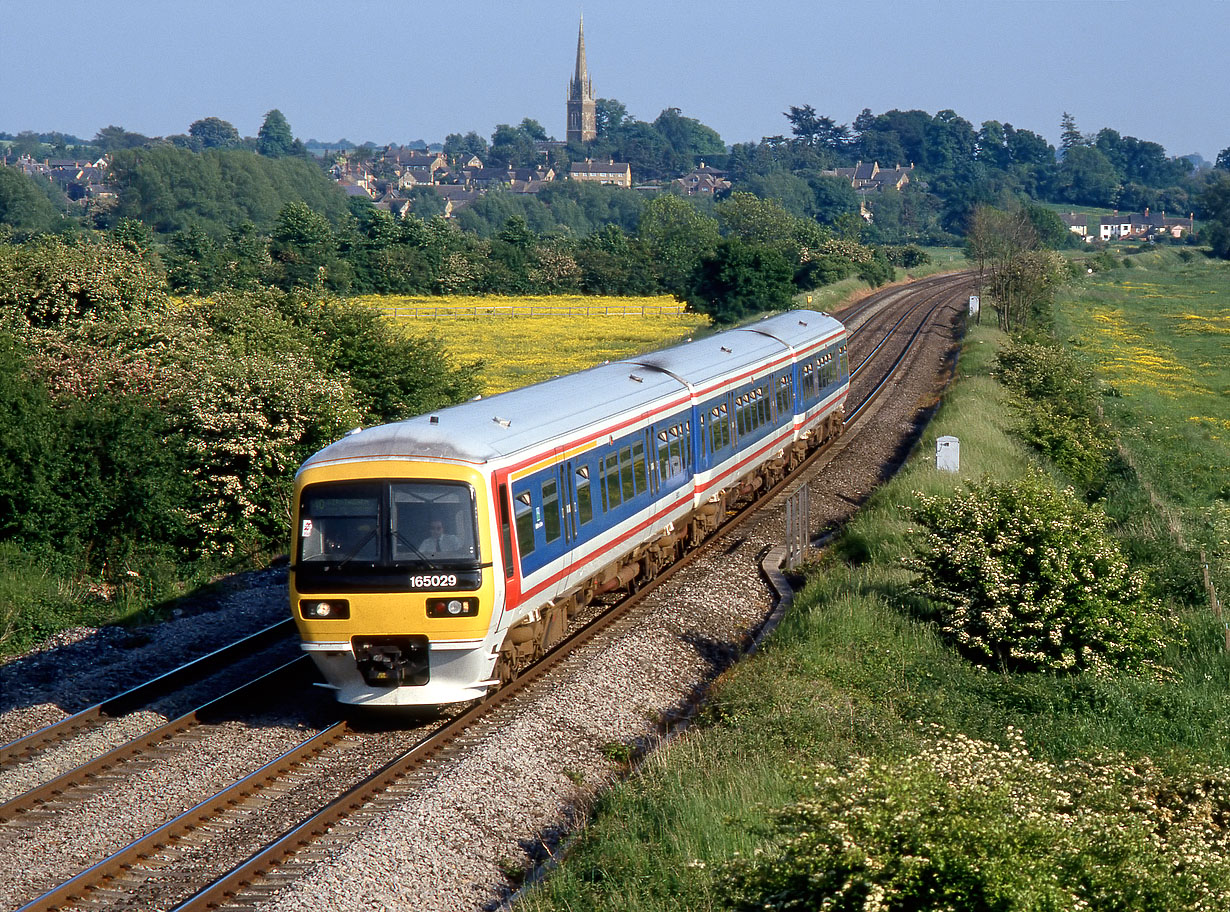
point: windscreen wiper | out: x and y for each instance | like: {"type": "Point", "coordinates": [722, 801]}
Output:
{"type": "Point", "coordinates": [401, 539]}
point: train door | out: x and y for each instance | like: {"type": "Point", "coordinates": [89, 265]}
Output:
{"type": "Point", "coordinates": [565, 472]}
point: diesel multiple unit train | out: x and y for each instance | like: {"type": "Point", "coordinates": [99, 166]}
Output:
{"type": "Point", "coordinates": [433, 555]}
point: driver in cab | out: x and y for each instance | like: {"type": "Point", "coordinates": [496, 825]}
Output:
{"type": "Point", "coordinates": [439, 541]}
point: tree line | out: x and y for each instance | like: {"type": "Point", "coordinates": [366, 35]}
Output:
{"type": "Point", "coordinates": [211, 180]}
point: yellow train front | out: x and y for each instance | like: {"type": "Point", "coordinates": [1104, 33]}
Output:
{"type": "Point", "coordinates": [391, 581]}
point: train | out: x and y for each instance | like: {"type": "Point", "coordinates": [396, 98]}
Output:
{"type": "Point", "coordinates": [432, 557]}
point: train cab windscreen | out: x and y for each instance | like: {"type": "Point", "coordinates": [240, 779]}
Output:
{"type": "Point", "coordinates": [378, 533]}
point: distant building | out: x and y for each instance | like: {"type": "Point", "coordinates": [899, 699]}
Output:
{"type": "Point", "coordinates": [609, 172]}
{"type": "Point", "coordinates": [864, 176]}
{"type": "Point", "coordinates": [1077, 223]}
{"type": "Point", "coordinates": [582, 110]}
{"type": "Point", "coordinates": [703, 181]}
{"type": "Point", "coordinates": [1133, 225]}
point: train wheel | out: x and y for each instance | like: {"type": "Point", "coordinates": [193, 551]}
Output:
{"type": "Point", "coordinates": [506, 667]}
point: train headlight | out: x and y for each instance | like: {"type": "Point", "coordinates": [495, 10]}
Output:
{"type": "Point", "coordinates": [321, 609]}
{"type": "Point", "coordinates": [452, 607]}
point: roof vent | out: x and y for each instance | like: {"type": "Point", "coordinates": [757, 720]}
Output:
{"type": "Point", "coordinates": [435, 419]}
{"type": "Point", "coordinates": [727, 350]}
{"type": "Point", "coordinates": [502, 422]}
{"type": "Point", "coordinates": [353, 431]}
{"type": "Point", "coordinates": [635, 378]}
{"type": "Point", "coordinates": [802, 322]}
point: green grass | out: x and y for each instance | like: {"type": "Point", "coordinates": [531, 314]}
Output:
{"type": "Point", "coordinates": [1157, 337]}
{"type": "Point", "coordinates": [855, 670]}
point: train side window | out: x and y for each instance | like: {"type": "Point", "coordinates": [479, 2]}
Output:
{"type": "Point", "coordinates": [550, 510]}
{"type": "Point", "coordinates": [523, 513]}
{"type": "Point", "coordinates": [762, 405]}
{"type": "Point", "coordinates": [785, 397]}
{"type": "Point", "coordinates": [664, 456]}
{"type": "Point", "coordinates": [506, 531]}
{"type": "Point", "coordinates": [585, 501]}
{"type": "Point", "coordinates": [640, 472]}
{"type": "Point", "coordinates": [687, 443]}
{"type": "Point", "coordinates": [625, 472]}
{"type": "Point", "coordinates": [612, 480]}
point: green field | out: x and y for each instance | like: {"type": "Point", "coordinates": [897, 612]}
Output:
{"type": "Point", "coordinates": [859, 749]}
{"type": "Point", "coordinates": [1158, 339]}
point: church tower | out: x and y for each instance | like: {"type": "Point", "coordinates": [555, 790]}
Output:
{"type": "Point", "coordinates": [582, 116]}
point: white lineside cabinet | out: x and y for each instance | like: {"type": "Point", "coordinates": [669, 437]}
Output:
{"type": "Point", "coordinates": [948, 454]}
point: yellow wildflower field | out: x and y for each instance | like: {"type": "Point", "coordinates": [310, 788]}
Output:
{"type": "Point", "coordinates": [565, 334]}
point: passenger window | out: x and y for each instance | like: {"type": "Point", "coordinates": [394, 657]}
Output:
{"type": "Point", "coordinates": [550, 510]}
{"type": "Point", "coordinates": [625, 472]}
{"type": "Point", "coordinates": [524, 514]}
{"type": "Point", "coordinates": [639, 470]}
{"type": "Point", "coordinates": [585, 503]}
{"type": "Point", "coordinates": [664, 456]}
{"type": "Point", "coordinates": [612, 481]}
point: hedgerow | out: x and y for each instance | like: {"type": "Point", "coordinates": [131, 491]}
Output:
{"type": "Point", "coordinates": [147, 430]}
{"type": "Point", "coordinates": [965, 824]}
{"type": "Point", "coordinates": [1026, 578]}
{"type": "Point", "coordinates": [1058, 409]}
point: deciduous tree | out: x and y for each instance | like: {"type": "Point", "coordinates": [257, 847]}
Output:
{"type": "Point", "coordinates": [214, 133]}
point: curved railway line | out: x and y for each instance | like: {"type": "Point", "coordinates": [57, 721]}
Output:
{"type": "Point", "coordinates": [237, 846]}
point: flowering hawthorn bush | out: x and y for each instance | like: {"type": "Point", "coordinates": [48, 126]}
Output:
{"type": "Point", "coordinates": [967, 825]}
{"type": "Point", "coordinates": [52, 282]}
{"type": "Point", "coordinates": [1027, 578]}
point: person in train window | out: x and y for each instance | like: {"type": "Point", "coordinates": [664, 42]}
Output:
{"type": "Point", "coordinates": [440, 542]}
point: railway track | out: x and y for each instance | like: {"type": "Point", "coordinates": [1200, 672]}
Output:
{"type": "Point", "coordinates": [151, 691]}
{"type": "Point", "coordinates": [136, 875]}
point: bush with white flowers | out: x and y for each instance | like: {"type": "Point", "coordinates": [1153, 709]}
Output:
{"type": "Point", "coordinates": [965, 824]}
{"type": "Point", "coordinates": [1026, 577]}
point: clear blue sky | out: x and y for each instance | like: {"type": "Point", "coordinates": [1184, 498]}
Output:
{"type": "Point", "coordinates": [390, 71]}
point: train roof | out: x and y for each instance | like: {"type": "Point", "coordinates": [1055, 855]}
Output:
{"type": "Point", "coordinates": [490, 428]}
{"type": "Point", "coordinates": [706, 361]}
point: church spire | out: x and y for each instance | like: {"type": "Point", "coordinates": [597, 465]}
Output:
{"type": "Point", "coordinates": [582, 113]}
{"type": "Point", "coordinates": [580, 81]}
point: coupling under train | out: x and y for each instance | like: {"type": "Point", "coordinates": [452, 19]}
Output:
{"type": "Point", "coordinates": [433, 555]}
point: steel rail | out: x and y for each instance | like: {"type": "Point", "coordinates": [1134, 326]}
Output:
{"type": "Point", "coordinates": [891, 372]}
{"type": "Point", "coordinates": [56, 788]}
{"type": "Point", "coordinates": [109, 869]}
{"type": "Point", "coordinates": [145, 693]}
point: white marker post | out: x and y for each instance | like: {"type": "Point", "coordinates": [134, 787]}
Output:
{"type": "Point", "coordinates": [948, 454]}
